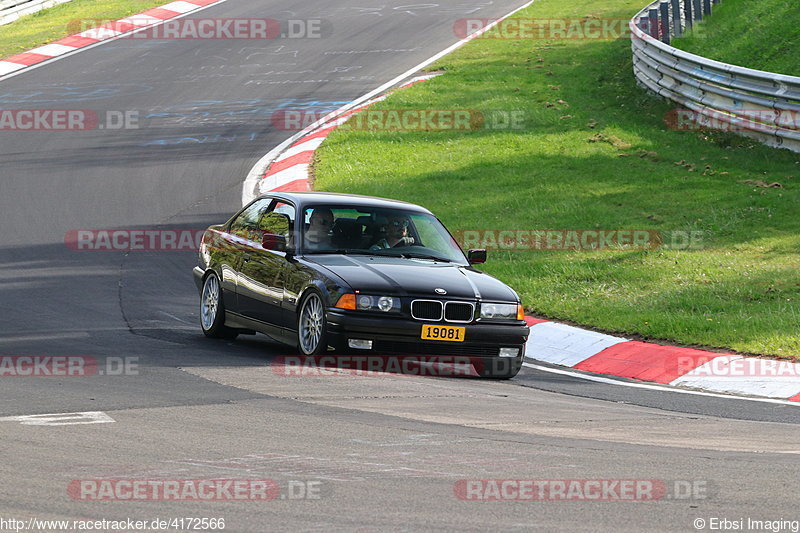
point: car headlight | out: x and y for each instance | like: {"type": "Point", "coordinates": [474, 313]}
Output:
{"type": "Point", "coordinates": [386, 303]}
{"type": "Point", "coordinates": [490, 311]}
{"type": "Point", "coordinates": [378, 303]}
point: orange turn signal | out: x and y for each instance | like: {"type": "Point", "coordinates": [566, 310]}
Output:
{"type": "Point", "coordinates": [347, 301]}
{"type": "Point", "coordinates": [520, 312]}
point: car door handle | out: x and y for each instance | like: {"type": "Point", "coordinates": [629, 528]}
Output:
{"type": "Point", "coordinates": [246, 258]}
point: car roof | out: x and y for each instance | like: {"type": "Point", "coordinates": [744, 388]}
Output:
{"type": "Point", "coordinates": [302, 199]}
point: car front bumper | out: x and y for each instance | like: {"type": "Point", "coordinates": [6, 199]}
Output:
{"type": "Point", "coordinates": [403, 336]}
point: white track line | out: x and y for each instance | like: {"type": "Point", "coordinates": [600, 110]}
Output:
{"type": "Point", "coordinates": [647, 386]}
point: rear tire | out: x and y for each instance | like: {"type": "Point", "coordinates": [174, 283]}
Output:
{"type": "Point", "coordinates": [212, 310]}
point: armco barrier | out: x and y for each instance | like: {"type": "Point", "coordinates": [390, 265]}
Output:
{"type": "Point", "coordinates": [11, 10]}
{"type": "Point", "coordinates": [755, 103]}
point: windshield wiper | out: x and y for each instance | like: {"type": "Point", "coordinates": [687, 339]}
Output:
{"type": "Point", "coordinates": [343, 251]}
{"type": "Point", "coordinates": [415, 255]}
{"type": "Point", "coordinates": [312, 252]}
{"type": "Point", "coordinates": [382, 253]}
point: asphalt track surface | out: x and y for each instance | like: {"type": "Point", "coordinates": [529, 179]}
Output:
{"type": "Point", "coordinates": [385, 451]}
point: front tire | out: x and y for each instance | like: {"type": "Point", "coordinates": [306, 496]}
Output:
{"type": "Point", "coordinates": [311, 326]}
{"type": "Point", "coordinates": [212, 310]}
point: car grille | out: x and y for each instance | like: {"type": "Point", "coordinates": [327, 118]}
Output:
{"type": "Point", "coordinates": [426, 310]}
{"type": "Point", "coordinates": [438, 348]}
{"type": "Point", "coordinates": [434, 310]}
{"type": "Point", "coordinates": [458, 312]}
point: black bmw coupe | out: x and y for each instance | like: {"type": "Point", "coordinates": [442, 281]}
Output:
{"type": "Point", "coordinates": [355, 274]}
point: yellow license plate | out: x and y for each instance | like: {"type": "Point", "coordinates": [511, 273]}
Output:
{"type": "Point", "coordinates": [443, 333]}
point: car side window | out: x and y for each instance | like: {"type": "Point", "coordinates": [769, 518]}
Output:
{"type": "Point", "coordinates": [279, 220]}
{"type": "Point", "coordinates": [289, 211]}
{"type": "Point", "coordinates": [247, 222]}
{"type": "Point", "coordinates": [264, 216]}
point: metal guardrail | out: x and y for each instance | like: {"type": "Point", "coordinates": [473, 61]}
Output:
{"type": "Point", "coordinates": [11, 10]}
{"type": "Point", "coordinates": [713, 95]}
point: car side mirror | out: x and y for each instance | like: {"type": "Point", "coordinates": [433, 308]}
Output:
{"type": "Point", "coordinates": [476, 256]}
{"type": "Point", "coordinates": [271, 241]}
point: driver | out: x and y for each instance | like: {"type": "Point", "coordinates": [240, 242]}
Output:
{"type": "Point", "coordinates": [396, 234]}
{"type": "Point", "coordinates": [318, 234]}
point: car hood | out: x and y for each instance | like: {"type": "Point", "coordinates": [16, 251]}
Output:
{"type": "Point", "coordinates": [414, 277]}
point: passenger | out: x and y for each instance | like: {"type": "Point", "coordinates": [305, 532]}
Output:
{"type": "Point", "coordinates": [396, 234]}
{"type": "Point", "coordinates": [318, 234]}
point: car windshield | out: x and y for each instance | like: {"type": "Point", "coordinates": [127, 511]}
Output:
{"type": "Point", "coordinates": [331, 229]}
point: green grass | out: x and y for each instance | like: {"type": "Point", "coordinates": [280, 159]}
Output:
{"type": "Point", "coordinates": [52, 24]}
{"type": "Point", "coordinates": [760, 34]}
{"type": "Point", "coordinates": [741, 291]}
